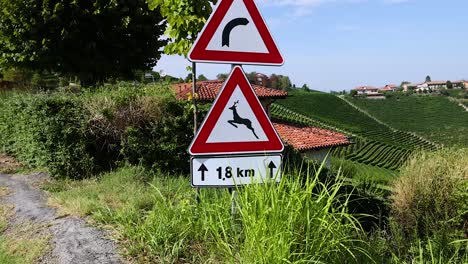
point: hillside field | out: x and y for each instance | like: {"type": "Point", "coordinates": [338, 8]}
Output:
{"type": "Point", "coordinates": [331, 110]}
{"type": "Point", "coordinates": [376, 143]}
{"type": "Point", "coordinates": [335, 112]}
{"type": "Point", "coordinates": [436, 118]}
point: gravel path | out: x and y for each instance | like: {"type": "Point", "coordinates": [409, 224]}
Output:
{"type": "Point", "coordinates": [73, 241]}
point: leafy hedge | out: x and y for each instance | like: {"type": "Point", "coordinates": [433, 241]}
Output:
{"type": "Point", "coordinates": [79, 135]}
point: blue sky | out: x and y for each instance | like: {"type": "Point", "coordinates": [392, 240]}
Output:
{"type": "Point", "coordinates": [340, 44]}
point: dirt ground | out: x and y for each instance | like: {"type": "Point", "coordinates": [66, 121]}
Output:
{"type": "Point", "coordinates": [71, 239]}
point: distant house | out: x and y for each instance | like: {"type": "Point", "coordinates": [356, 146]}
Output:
{"type": "Point", "coordinates": [389, 88]}
{"type": "Point", "coordinates": [367, 90]}
{"type": "Point", "coordinates": [422, 87]}
{"type": "Point", "coordinates": [314, 143]}
{"type": "Point", "coordinates": [461, 84]}
{"type": "Point", "coordinates": [435, 86]}
{"type": "Point", "coordinates": [373, 92]}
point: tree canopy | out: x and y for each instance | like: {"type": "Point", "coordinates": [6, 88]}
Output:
{"type": "Point", "coordinates": [94, 40]}
{"type": "Point", "coordinates": [449, 85]}
{"type": "Point", "coordinates": [274, 81]}
{"type": "Point", "coordinates": [185, 19]}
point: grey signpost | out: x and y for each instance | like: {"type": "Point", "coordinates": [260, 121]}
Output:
{"type": "Point", "coordinates": [228, 152]}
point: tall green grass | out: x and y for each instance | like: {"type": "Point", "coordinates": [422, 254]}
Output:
{"type": "Point", "coordinates": [295, 221]}
{"type": "Point", "coordinates": [429, 211]}
{"type": "Point", "coordinates": [157, 219]}
{"type": "Point", "coordinates": [5, 257]}
{"type": "Point", "coordinates": [430, 197]}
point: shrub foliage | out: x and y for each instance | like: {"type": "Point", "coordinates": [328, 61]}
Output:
{"type": "Point", "coordinates": [78, 135]}
{"type": "Point", "coordinates": [430, 208]}
{"type": "Point", "coordinates": [430, 195]}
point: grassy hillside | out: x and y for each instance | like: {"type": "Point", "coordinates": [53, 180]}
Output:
{"type": "Point", "coordinates": [435, 118]}
{"type": "Point", "coordinates": [334, 112]}
{"type": "Point", "coordinates": [377, 144]}
{"type": "Point", "coordinates": [363, 172]}
{"type": "Point", "coordinates": [362, 151]}
{"type": "Point", "coordinates": [330, 109]}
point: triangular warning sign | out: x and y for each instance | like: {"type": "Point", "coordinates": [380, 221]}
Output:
{"type": "Point", "coordinates": [236, 34]}
{"type": "Point", "coordinates": [236, 123]}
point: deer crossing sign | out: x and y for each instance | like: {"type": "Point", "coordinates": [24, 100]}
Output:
{"type": "Point", "coordinates": [237, 123]}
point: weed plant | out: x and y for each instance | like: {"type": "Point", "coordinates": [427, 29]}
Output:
{"type": "Point", "coordinates": [158, 219]}
{"type": "Point", "coordinates": [430, 195]}
{"type": "Point", "coordinates": [429, 211]}
{"type": "Point", "coordinates": [295, 221]}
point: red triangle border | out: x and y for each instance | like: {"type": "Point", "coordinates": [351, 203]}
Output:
{"type": "Point", "coordinates": [199, 144]}
{"type": "Point", "coordinates": [199, 53]}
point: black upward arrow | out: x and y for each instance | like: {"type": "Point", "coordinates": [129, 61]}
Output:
{"type": "Point", "coordinates": [203, 169]}
{"type": "Point", "coordinates": [272, 166]}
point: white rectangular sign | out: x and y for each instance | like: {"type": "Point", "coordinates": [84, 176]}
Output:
{"type": "Point", "coordinates": [235, 171]}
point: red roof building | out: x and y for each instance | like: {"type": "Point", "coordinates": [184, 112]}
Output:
{"type": "Point", "coordinates": [207, 91]}
{"type": "Point", "coordinates": [309, 138]}
{"type": "Point", "coordinates": [367, 90]}
{"type": "Point", "coordinates": [389, 88]}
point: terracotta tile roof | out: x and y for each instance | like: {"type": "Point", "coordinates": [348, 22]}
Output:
{"type": "Point", "coordinates": [309, 138]}
{"type": "Point", "coordinates": [207, 91]}
{"type": "Point", "coordinates": [437, 83]}
{"type": "Point", "coordinates": [388, 87]}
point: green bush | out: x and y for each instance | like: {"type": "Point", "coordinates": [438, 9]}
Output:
{"type": "Point", "coordinates": [140, 125]}
{"type": "Point", "coordinates": [430, 193]}
{"type": "Point", "coordinates": [162, 144]}
{"type": "Point", "coordinates": [20, 77]}
{"type": "Point", "coordinates": [78, 135]}
{"type": "Point", "coordinates": [430, 207]}
{"type": "Point", "coordinates": [46, 131]}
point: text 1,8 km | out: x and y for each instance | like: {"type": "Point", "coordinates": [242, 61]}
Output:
{"type": "Point", "coordinates": [235, 171]}
{"type": "Point", "coordinates": [229, 172]}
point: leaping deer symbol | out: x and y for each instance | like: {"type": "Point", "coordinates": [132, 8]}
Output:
{"type": "Point", "coordinates": [239, 120]}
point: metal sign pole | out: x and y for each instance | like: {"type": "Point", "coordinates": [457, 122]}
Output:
{"type": "Point", "coordinates": [236, 222]}
{"type": "Point", "coordinates": [195, 111]}
{"type": "Point", "coordinates": [194, 98]}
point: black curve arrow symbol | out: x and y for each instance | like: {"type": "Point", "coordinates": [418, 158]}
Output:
{"type": "Point", "coordinates": [241, 21]}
